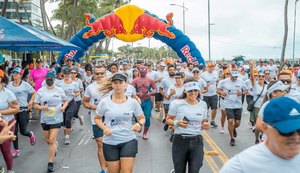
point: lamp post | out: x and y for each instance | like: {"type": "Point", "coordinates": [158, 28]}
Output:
{"type": "Point", "coordinates": [295, 15]}
{"type": "Point", "coordinates": [183, 13]}
{"type": "Point", "coordinates": [209, 54]}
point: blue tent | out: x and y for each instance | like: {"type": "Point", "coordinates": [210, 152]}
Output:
{"type": "Point", "coordinates": [23, 38]}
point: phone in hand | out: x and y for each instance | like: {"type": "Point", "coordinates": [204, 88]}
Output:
{"type": "Point", "coordinates": [186, 119]}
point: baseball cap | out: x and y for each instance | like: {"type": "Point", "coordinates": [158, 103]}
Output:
{"type": "Point", "coordinates": [277, 86]}
{"type": "Point", "coordinates": [178, 74]}
{"type": "Point", "coordinates": [195, 69]}
{"type": "Point", "coordinates": [1, 73]}
{"type": "Point", "coordinates": [162, 64]}
{"type": "Point", "coordinates": [39, 60]}
{"type": "Point", "coordinates": [17, 69]}
{"type": "Point", "coordinates": [255, 72]}
{"type": "Point", "coordinates": [50, 74]}
{"type": "Point", "coordinates": [226, 71]}
{"type": "Point", "coordinates": [70, 59]}
{"type": "Point", "coordinates": [125, 63]}
{"type": "Point", "coordinates": [191, 86]}
{"type": "Point", "coordinates": [234, 73]}
{"type": "Point", "coordinates": [283, 113]}
{"type": "Point", "coordinates": [67, 70]}
{"type": "Point", "coordinates": [210, 64]}
{"type": "Point", "coordinates": [75, 68]}
{"type": "Point", "coordinates": [119, 76]}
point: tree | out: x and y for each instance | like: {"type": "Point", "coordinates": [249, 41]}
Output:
{"type": "Point", "coordinates": [285, 30]}
{"type": "Point", "coordinates": [3, 12]}
{"type": "Point", "coordinates": [126, 50]}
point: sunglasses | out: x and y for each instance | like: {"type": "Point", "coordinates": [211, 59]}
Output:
{"type": "Point", "coordinates": [262, 76]}
{"type": "Point", "coordinates": [289, 134]}
{"type": "Point", "coordinates": [193, 91]}
{"type": "Point", "coordinates": [73, 73]}
{"type": "Point", "coordinates": [196, 72]}
{"type": "Point", "coordinates": [227, 73]}
{"type": "Point", "coordinates": [99, 73]}
{"type": "Point", "coordinates": [286, 81]}
{"type": "Point", "coordinates": [267, 73]}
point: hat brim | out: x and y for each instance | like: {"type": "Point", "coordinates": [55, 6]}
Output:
{"type": "Point", "coordinates": [288, 126]}
{"type": "Point", "coordinates": [118, 78]}
{"type": "Point", "coordinates": [15, 71]}
{"type": "Point", "coordinates": [191, 88]}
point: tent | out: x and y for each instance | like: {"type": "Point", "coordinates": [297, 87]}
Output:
{"type": "Point", "coordinates": [21, 38]}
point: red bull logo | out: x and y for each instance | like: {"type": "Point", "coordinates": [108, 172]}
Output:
{"type": "Point", "coordinates": [69, 55]}
{"type": "Point", "coordinates": [186, 52]}
{"type": "Point", "coordinates": [148, 25]}
{"type": "Point", "coordinates": [115, 26]}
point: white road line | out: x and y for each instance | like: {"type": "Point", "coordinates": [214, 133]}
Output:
{"type": "Point", "coordinates": [88, 132]}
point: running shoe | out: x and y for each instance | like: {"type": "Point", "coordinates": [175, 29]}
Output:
{"type": "Point", "coordinates": [67, 141]}
{"type": "Point", "coordinates": [16, 153]}
{"type": "Point", "coordinates": [10, 171]}
{"type": "Point", "coordinates": [81, 120]}
{"type": "Point", "coordinates": [172, 171]}
{"type": "Point", "coordinates": [234, 133]}
{"type": "Point", "coordinates": [222, 131]}
{"type": "Point", "coordinates": [232, 142]}
{"type": "Point", "coordinates": [256, 141]}
{"type": "Point", "coordinates": [2, 170]}
{"type": "Point", "coordinates": [32, 139]}
{"type": "Point", "coordinates": [50, 167]}
{"type": "Point", "coordinates": [213, 124]}
{"type": "Point", "coordinates": [166, 127]}
{"type": "Point", "coordinates": [103, 171]}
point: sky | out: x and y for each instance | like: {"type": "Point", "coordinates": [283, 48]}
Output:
{"type": "Point", "coordinates": [253, 28]}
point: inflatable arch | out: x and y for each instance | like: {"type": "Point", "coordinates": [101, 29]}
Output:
{"type": "Point", "coordinates": [130, 23]}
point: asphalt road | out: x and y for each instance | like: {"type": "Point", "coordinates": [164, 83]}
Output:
{"type": "Point", "coordinates": [154, 154]}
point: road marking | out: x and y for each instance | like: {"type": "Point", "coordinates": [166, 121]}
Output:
{"type": "Point", "coordinates": [87, 140]}
{"type": "Point", "coordinates": [215, 147]}
{"type": "Point", "coordinates": [88, 132]}
{"type": "Point", "coordinates": [212, 164]}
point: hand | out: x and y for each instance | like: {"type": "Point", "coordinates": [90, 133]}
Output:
{"type": "Point", "coordinates": [251, 64]}
{"type": "Point", "coordinates": [224, 94]}
{"type": "Point", "coordinates": [136, 127]}
{"type": "Point", "coordinates": [107, 132]}
{"type": "Point", "coordinates": [205, 125]}
{"type": "Point", "coordinates": [239, 93]}
{"type": "Point", "coordinates": [45, 107]}
{"type": "Point", "coordinates": [182, 123]}
{"type": "Point", "coordinates": [160, 79]}
{"type": "Point", "coordinates": [173, 91]}
{"type": "Point", "coordinates": [30, 105]}
{"type": "Point", "coordinates": [6, 133]}
{"type": "Point", "coordinates": [73, 95]}
{"type": "Point", "coordinates": [62, 109]}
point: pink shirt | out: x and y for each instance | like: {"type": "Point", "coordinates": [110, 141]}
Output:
{"type": "Point", "coordinates": [38, 75]}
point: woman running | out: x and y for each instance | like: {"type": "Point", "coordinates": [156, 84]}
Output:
{"type": "Point", "coordinates": [189, 117]}
{"type": "Point", "coordinates": [119, 140]}
{"type": "Point", "coordinates": [22, 90]}
{"type": "Point", "coordinates": [74, 77]}
{"type": "Point", "coordinates": [52, 101]}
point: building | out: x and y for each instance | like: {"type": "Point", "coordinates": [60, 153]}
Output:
{"type": "Point", "coordinates": [33, 12]}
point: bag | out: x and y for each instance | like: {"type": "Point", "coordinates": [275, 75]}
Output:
{"type": "Point", "coordinates": [250, 106]}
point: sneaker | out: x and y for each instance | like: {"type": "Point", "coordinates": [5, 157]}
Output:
{"type": "Point", "coordinates": [103, 171]}
{"type": "Point", "coordinates": [81, 120]}
{"type": "Point", "coordinates": [234, 133]}
{"type": "Point", "coordinates": [172, 137]}
{"type": "Point", "coordinates": [16, 153]}
{"type": "Point", "coordinates": [32, 139]}
{"type": "Point", "coordinates": [232, 142]}
{"type": "Point", "coordinates": [2, 170]}
{"type": "Point", "coordinates": [256, 141]}
{"type": "Point", "coordinates": [222, 131]}
{"type": "Point", "coordinates": [67, 141]}
{"type": "Point", "coordinates": [10, 171]}
{"type": "Point", "coordinates": [50, 167]}
{"type": "Point", "coordinates": [213, 124]}
{"type": "Point", "coordinates": [172, 171]}
{"type": "Point", "coordinates": [166, 127]}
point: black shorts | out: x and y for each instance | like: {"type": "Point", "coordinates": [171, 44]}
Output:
{"type": "Point", "coordinates": [166, 106]}
{"type": "Point", "coordinates": [115, 152]}
{"type": "Point", "coordinates": [211, 101]}
{"type": "Point", "coordinates": [158, 97]}
{"type": "Point", "coordinates": [234, 113]}
{"type": "Point", "coordinates": [47, 127]}
{"type": "Point", "coordinates": [97, 132]}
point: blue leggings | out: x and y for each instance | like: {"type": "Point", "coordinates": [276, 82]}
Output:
{"type": "Point", "coordinates": [147, 108]}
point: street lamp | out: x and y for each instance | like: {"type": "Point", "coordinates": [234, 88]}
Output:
{"type": "Point", "coordinates": [209, 53]}
{"type": "Point", "coordinates": [183, 13]}
{"type": "Point", "coordinates": [295, 15]}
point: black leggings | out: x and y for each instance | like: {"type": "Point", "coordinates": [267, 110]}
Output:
{"type": "Point", "coordinates": [187, 150]}
{"type": "Point", "coordinates": [69, 113]}
{"type": "Point", "coordinates": [22, 120]}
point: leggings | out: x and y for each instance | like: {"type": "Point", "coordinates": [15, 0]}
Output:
{"type": "Point", "coordinates": [147, 107]}
{"type": "Point", "coordinates": [69, 113]}
{"type": "Point", "coordinates": [5, 149]}
{"type": "Point", "coordinates": [22, 120]}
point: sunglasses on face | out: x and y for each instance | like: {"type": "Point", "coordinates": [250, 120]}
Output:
{"type": "Point", "coordinates": [99, 73]}
{"type": "Point", "coordinates": [227, 73]}
{"type": "Point", "coordinates": [267, 73]}
{"type": "Point", "coordinates": [192, 91]}
{"type": "Point", "coordinates": [73, 73]}
{"type": "Point", "coordinates": [262, 76]}
{"type": "Point", "coordinates": [286, 81]}
{"type": "Point", "coordinates": [196, 72]}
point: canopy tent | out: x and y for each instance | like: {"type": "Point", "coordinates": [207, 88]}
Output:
{"type": "Point", "coordinates": [21, 38]}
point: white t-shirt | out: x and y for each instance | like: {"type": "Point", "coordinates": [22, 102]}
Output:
{"type": "Point", "coordinates": [6, 96]}
{"type": "Point", "coordinates": [130, 90]}
{"type": "Point", "coordinates": [162, 75]}
{"type": "Point", "coordinates": [244, 77]}
{"type": "Point", "coordinates": [21, 92]}
{"type": "Point", "coordinates": [256, 91]}
{"type": "Point", "coordinates": [69, 88]}
{"type": "Point", "coordinates": [165, 84]}
{"type": "Point", "coordinates": [259, 158]}
{"type": "Point", "coordinates": [118, 118]}
{"type": "Point", "coordinates": [195, 113]}
{"type": "Point", "coordinates": [179, 92]}
{"type": "Point", "coordinates": [152, 75]}
{"type": "Point", "coordinates": [92, 92]}
{"type": "Point", "coordinates": [294, 93]}
{"type": "Point", "coordinates": [232, 101]}
{"type": "Point", "coordinates": [273, 70]}
{"type": "Point", "coordinates": [211, 80]}
{"type": "Point", "coordinates": [54, 99]}
{"type": "Point", "coordinates": [80, 85]}
{"type": "Point", "coordinates": [248, 84]}
{"type": "Point", "coordinates": [261, 68]}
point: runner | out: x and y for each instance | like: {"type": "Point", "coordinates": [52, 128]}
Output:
{"type": "Point", "coordinates": [119, 141]}
{"type": "Point", "coordinates": [8, 107]}
{"type": "Point", "coordinates": [272, 69]}
{"type": "Point", "coordinates": [21, 90]}
{"type": "Point", "coordinates": [52, 102]}
{"type": "Point", "coordinates": [282, 148]}
{"type": "Point", "coordinates": [145, 88]}
{"type": "Point", "coordinates": [74, 77]}
{"type": "Point", "coordinates": [37, 75]}
{"type": "Point", "coordinates": [92, 96]}
{"type": "Point", "coordinates": [72, 91]}
{"type": "Point", "coordinates": [189, 117]}
{"type": "Point", "coordinates": [211, 97]}
{"type": "Point", "coordinates": [161, 74]}
{"type": "Point", "coordinates": [231, 89]}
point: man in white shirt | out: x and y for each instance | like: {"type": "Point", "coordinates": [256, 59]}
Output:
{"type": "Point", "coordinates": [281, 151]}
{"type": "Point", "coordinates": [272, 69]}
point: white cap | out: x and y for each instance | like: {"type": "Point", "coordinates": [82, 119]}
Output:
{"type": "Point", "coordinates": [277, 86]}
{"type": "Point", "coordinates": [191, 86]}
{"type": "Point", "coordinates": [235, 73]}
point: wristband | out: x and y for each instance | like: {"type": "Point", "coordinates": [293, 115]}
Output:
{"type": "Point", "coordinates": [175, 123]}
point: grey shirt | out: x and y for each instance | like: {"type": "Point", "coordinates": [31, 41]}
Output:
{"type": "Point", "coordinates": [21, 92]}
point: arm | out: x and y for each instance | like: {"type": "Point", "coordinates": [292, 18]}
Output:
{"type": "Point", "coordinates": [30, 104]}
{"type": "Point", "coordinates": [154, 87]}
{"type": "Point", "coordinates": [100, 124]}
{"type": "Point", "coordinates": [13, 108]}
{"type": "Point", "coordinates": [252, 79]}
{"type": "Point", "coordinates": [65, 104]}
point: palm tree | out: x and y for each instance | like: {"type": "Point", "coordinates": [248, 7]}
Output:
{"type": "Point", "coordinates": [3, 12]}
{"type": "Point", "coordinates": [72, 21]}
{"type": "Point", "coordinates": [21, 2]}
{"type": "Point", "coordinates": [17, 11]}
{"type": "Point", "coordinates": [285, 30]}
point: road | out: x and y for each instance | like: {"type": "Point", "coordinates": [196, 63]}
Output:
{"type": "Point", "coordinates": [154, 154]}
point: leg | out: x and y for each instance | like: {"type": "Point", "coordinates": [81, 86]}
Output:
{"type": "Point", "coordinates": [214, 107]}
{"type": "Point", "coordinates": [223, 118]}
{"type": "Point", "coordinates": [16, 142]}
{"type": "Point", "coordinates": [127, 156]}
{"type": "Point", "coordinates": [113, 167]}
{"type": "Point", "coordinates": [230, 127]}
{"type": "Point", "coordinates": [127, 164]}
{"type": "Point", "coordinates": [180, 154]}
{"type": "Point", "coordinates": [112, 157]}
{"type": "Point", "coordinates": [196, 154]}
{"type": "Point", "coordinates": [147, 107]}
{"type": "Point", "coordinates": [6, 150]}
{"type": "Point", "coordinates": [52, 143]}
{"type": "Point", "coordinates": [23, 123]}
{"type": "Point", "coordinates": [101, 158]}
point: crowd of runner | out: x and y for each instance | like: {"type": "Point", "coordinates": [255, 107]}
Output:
{"type": "Point", "coordinates": [122, 96]}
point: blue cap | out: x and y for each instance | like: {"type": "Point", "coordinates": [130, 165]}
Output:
{"type": "Point", "coordinates": [17, 69]}
{"type": "Point", "coordinates": [283, 113]}
{"type": "Point", "coordinates": [50, 74]}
